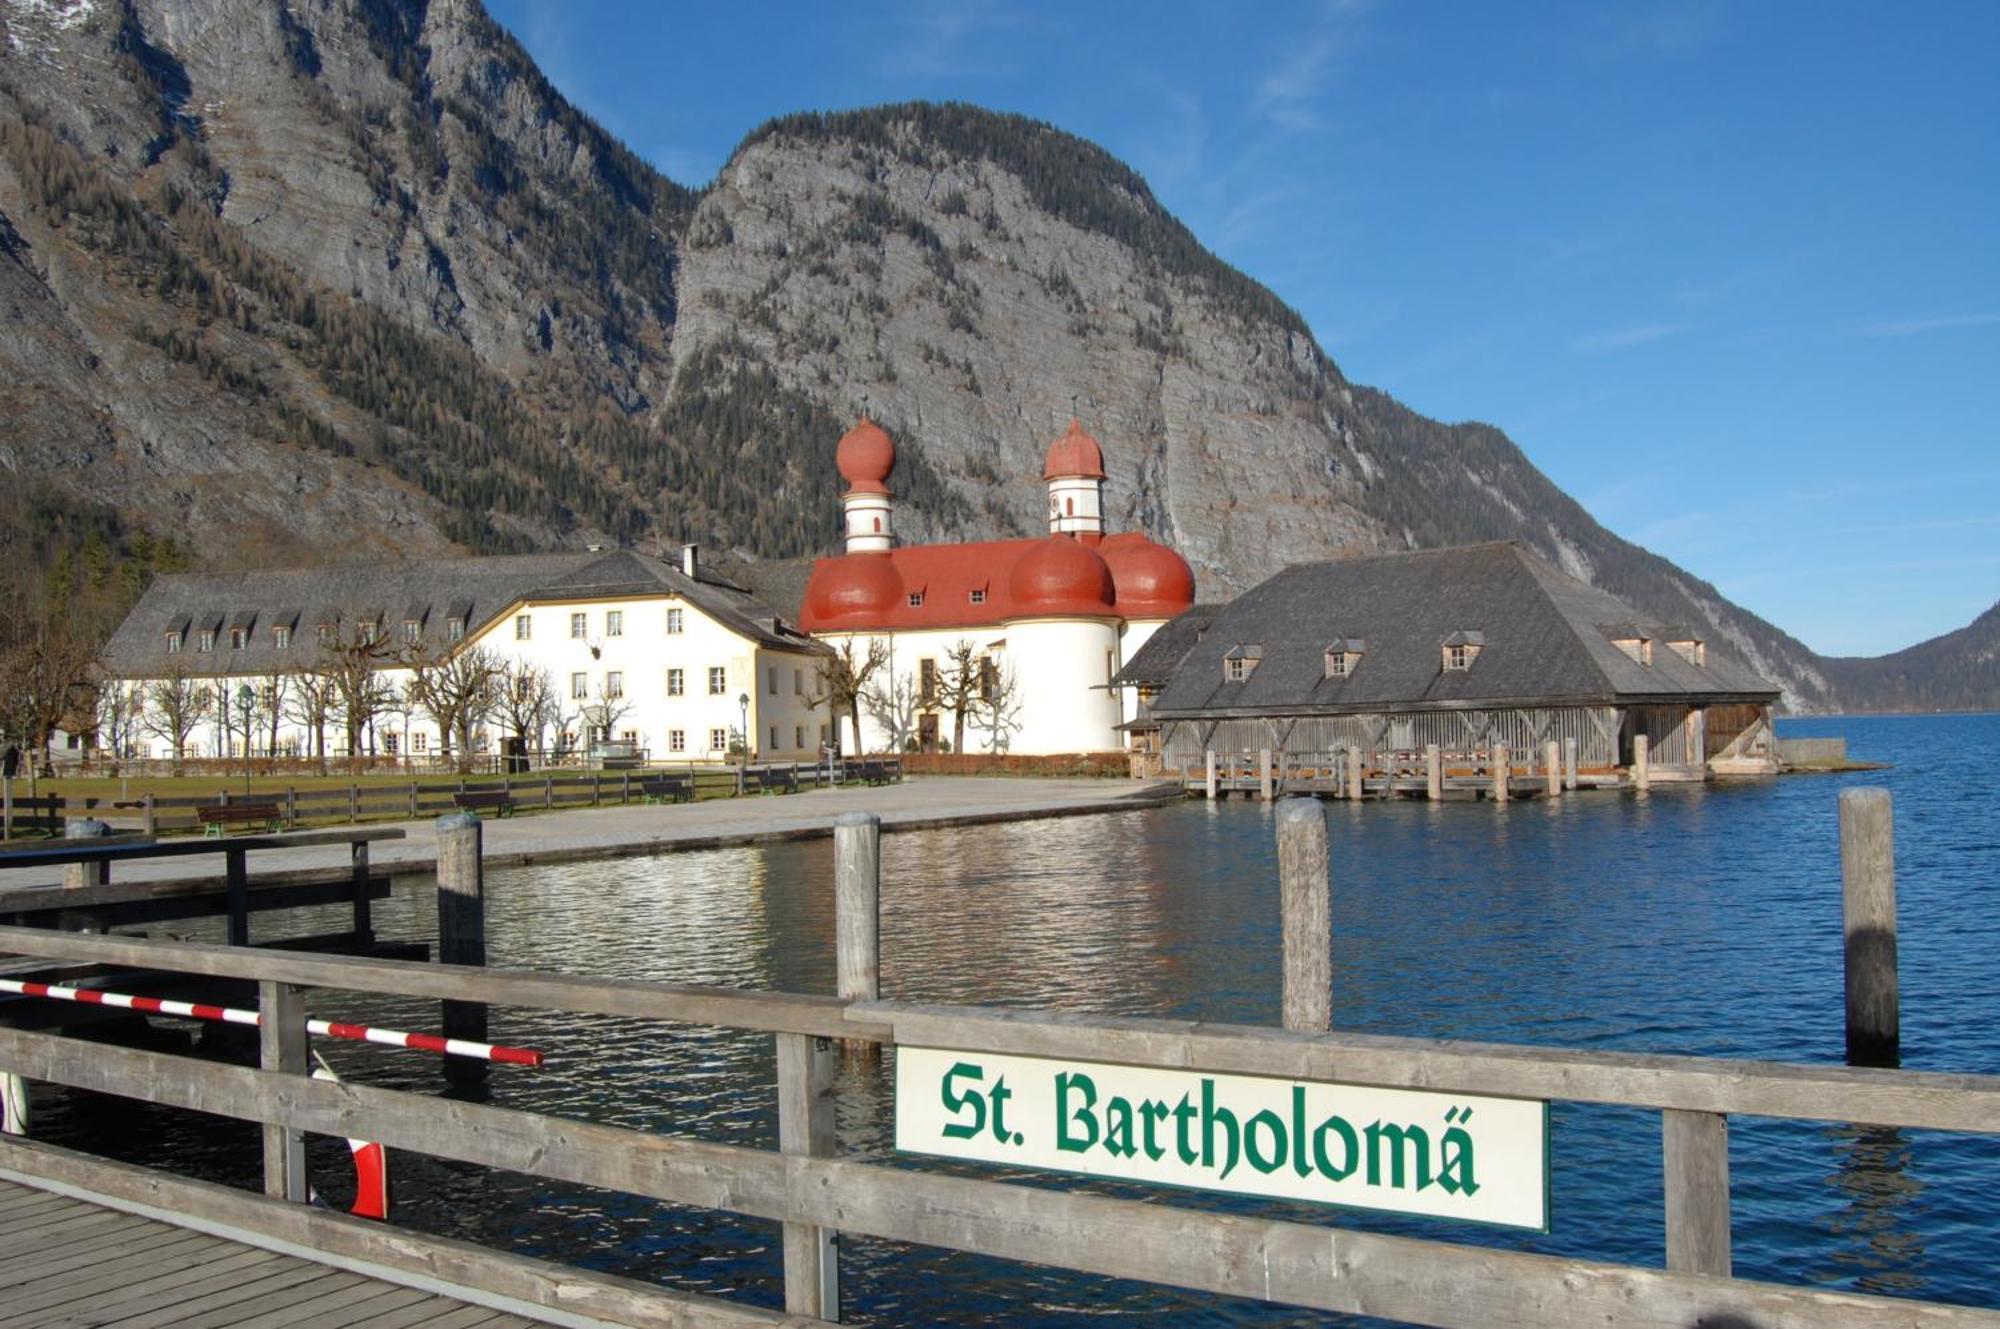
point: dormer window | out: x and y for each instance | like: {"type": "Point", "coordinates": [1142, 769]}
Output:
{"type": "Point", "coordinates": [238, 639]}
{"type": "Point", "coordinates": [413, 631]}
{"type": "Point", "coordinates": [325, 633]}
{"type": "Point", "coordinates": [916, 599]}
{"type": "Point", "coordinates": [1636, 648]}
{"type": "Point", "coordinates": [205, 642]}
{"type": "Point", "coordinates": [1240, 662]}
{"type": "Point", "coordinates": [1343, 657]}
{"type": "Point", "coordinates": [977, 595]}
{"type": "Point", "coordinates": [454, 629]}
{"type": "Point", "coordinates": [174, 643]}
{"type": "Point", "coordinates": [1692, 650]}
{"type": "Point", "coordinates": [281, 637]}
{"type": "Point", "coordinates": [1460, 650]}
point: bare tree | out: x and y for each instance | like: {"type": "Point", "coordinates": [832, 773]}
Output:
{"type": "Point", "coordinates": [175, 705]}
{"type": "Point", "coordinates": [962, 685]}
{"type": "Point", "coordinates": [999, 709]}
{"type": "Point", "coordinates": [309, 703]}
{"type": "Point", "coordinates": [840, 679]}
{"type": "Point", "coordinates": [525, 701]}
{"type": "Point", "coordinates": [120, 708]}
{"type": "Point", "coordinates": [47, 663]}
{"type": "Point", "coordinates": [271, 707]}
{"type": "Point", "coordinates": [458, 690]}
{"type": "Point", "coordinates": [604, 710]}
{"type": "Point", "coordinates": [893, 706]}
{"type": "Point", "coordinates": [350, 656]}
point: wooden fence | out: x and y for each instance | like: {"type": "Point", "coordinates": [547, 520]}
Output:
{"type": "Point", "coordinates": [814, 1194]}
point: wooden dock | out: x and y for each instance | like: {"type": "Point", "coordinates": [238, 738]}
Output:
{"type": "Point", "coordinates": [69, 1261]}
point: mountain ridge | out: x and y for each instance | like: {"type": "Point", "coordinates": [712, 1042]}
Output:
{"type": "Point", "coordinates": [298, 277]}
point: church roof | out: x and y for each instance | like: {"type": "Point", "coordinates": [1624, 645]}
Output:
{"type": "Point", "coordinates": [1539, 635]}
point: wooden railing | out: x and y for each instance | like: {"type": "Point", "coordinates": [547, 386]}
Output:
{"type": "Point", "coordinates": [813, 1193]}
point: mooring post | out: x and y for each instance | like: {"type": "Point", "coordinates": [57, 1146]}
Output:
{"type": "Point", "coordinates": [1209, 786]}
{"type": "Point", "coordinates": [1305, 905]}
{"type": "Point", "coordinates": [281, 1046]}
{"type": "Point", "coordinates": [1569, 763]}
{"type": "Point", "coordinates": [364, 926]}
{"type": "Point", "coordinates": [1264, 774]}
{"type": "Point", "coordinates": [1868, 893]}
{"type": "Point", "coordinates": [236, 882]}
{"type": "Point", "coordinates": [78, 875]}
{"type": "Point", "coordinates": [1642, 772]}
{"type": "Point", "coordinates": [461, 907]}
{"type": "Point", "coordinates": [806, 1070]}
{"type": "Point", "coordinates": [857, 909]}
{"type": "Point", "coordinates": [1502, 768]}
{"type": "Point", "coordinates": [152, 817]}
{"type": "Point", "coordinates": [1356, 789]}
{"type": "Point", "coordinates": [1695, 1150]}
{"type": "Point", "coordinates": [1552, 768]}
{"type": "Point", "coordinates": [1434, 772]}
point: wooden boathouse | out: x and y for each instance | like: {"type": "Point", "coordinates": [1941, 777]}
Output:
{"type": "Point", "coordinates": [1486, 653]}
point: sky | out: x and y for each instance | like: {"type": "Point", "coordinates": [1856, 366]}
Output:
{"type": "Point", "coordinates": [1728, 273]}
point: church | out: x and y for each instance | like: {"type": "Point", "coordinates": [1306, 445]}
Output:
{"type": "Point", "coordinates": [1009, 645]}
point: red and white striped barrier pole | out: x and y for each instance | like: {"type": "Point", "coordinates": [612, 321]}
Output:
{"type": "Point", "coordinates": [360, 1033]}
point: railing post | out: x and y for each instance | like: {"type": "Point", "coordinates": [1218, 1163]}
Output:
{"type": "Point", "coordinates": [461, 906]}
{"type": "Point", "coordinates": [1552, 768]}
{"type": "Point", "coordinates": [1434, 772]}
{"type": "Point", "coordinates": [152, 818]}
{"type": "Point", "coordinates": [806, 1069]}
{"type": "Point", "coordinates": [1868, 894]}
{"type": "Point", "coordinates": [1502, 768]}
{"type": "Point", "coordinates": [281, 1045]}
{"type": "Point", "coordinates": [857, 907]}
{"type": "Point", "coordinates": [1695, 1150]}
{"type": "Point", "coordinates": [1306, 907]}
{"type": "Point", "coordinates": [77, 875]}
{"type": "Point", "coordinates": [1357, 789]}
{"type": "Point", "coordinates": [353, 804]}
{"type": "Point", "coordinates": [413, 800]}
{"type": "Point", "coordinates": [236, 877]}
{"type": "Point", "coordinates": [364, 924]}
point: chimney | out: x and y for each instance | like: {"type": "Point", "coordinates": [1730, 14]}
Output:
{"type": "Point", "coordinates": [688, 561]}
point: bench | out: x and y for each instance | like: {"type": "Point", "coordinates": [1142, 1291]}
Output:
{"type": "Point", "coordinates": [216, 818]}
{"type": "Point", "coordinates": [774, 780]}
{"type": "Point", "coordinates": [667, 788]}
{"type": "Point", "coordinates": [497, 801]}
{"type": "Point", "coordinates": [874, 772]}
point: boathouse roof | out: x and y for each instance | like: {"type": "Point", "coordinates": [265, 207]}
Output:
{"type": "Point", "coordinates": [1478, 625]}
{"type": "Point", "coordinates": [430, 594]}
{"type": "Point", "coordinates": [1153, 664]}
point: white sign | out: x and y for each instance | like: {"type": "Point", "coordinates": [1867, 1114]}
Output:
{"type": "Point", "coordinates": [1403, 1150]}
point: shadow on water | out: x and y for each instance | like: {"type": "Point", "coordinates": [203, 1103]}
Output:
{"type": "Point", "coordinates": [1880, 1246]}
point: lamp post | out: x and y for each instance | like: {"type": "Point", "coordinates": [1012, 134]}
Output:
{"type": "Point", "coordinates": [246, 701]}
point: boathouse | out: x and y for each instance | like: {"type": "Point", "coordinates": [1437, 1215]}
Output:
{"type": "Point", "coordinates": [1464, 648]}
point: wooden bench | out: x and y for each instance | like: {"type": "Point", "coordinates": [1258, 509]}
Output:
{"type": "Point", "coordinates": [774, 780]}
{"type": "Point", "coordinates": [497, 801]}
{"type": "Point", "coordinates": [874, 772]}
{"type": "Point", "coordinates": [216, 818]}
{"type": "Point", "coordinates": [667, 788]}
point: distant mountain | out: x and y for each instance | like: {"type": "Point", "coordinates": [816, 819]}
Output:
{"type": "Point", "coordinates": [1959, 671]}
{"type": "Point", "coordinates": [284, 279]}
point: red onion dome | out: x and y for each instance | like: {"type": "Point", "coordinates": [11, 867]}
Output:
{"type": "Point", "coordinates": [1152, 580]}
{"type": "Point", "coordinates": [1060, 576]}
{"type": "Point", "coordinates": [865, 457]}
{"type": "Point", "coordinates": [862, 588]}
{"type": "Point", "coordinates": [1074, 454]}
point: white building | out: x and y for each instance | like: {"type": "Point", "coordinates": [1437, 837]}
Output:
{"type": "Point", "coordinates": [672, 660]}
{"type": "Point", "coordinates": [1049, 620]}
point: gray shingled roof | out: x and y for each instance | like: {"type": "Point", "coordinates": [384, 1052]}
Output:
{"type": "Point", "coordinates": [1153, 664]}
{"type": "Point", "coordinates": [429, 592]}
{"type": "Point", "coordinates": [1541, 637]}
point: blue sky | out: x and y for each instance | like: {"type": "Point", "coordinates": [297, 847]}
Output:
{"type": "Point", "coordinates": [1728, 273]}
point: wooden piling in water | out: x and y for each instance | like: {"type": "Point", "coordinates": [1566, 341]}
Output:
{"type": "Point", "coordinates": [461, 906]}
{"type": "Point", "coordinates": [1868, 895]}
{"type": "Point", "coordinates": [1264, 774]}
{"type": "Point", "coordinates": [1642, 773]}
{"type": "Point", "coordinates": [78, 875]}
{"type": "Point", "coordinates": [1501, 769]}
{"type": "Point", "coordinates": [857, 909]}
{"type": "Point", "coordinates": [1211, 775]}
{"type": "Point", "coordinates": [1434, 773]}
{"type": "Point", "coordinates": [1357, 787]}
{"type": "Point", "coordinates": [1552, 769]}
{"type": "Point", "coordinates": [1305, 904]}
{"type": "Point", "coordinates": [1569, 763]}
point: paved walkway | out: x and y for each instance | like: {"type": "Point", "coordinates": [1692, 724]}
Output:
{"type": "Point", "coordinates": [584, 833]}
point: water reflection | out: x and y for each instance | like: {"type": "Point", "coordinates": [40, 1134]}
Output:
{"type": "Point", "coordinates": [1881, 1248]}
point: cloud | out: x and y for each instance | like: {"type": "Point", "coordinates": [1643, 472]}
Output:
{"type": "Point", "coordinates": [1915, 327]}
{"type": "Point", "coordinates": [1620, 339]}
{"type": "Point", "coordinates": [1289, 91]}
{"type": "Point", "coordinates": [943, 42]}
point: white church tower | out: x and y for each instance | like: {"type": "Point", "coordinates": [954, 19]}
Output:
{"type": "Point", "coordinates": [1075, 474]}
{"type": "Point", "coordinates": [865, 457]}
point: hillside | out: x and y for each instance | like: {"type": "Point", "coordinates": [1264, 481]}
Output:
{"type": "Point", "coordinates": [285, 281]}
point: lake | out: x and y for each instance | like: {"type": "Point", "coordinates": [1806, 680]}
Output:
{"type": "Point", "coordinates": [1700, 920]}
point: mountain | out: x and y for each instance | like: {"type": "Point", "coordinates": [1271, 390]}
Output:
{"type": "Point", "coordinates": [1959, 671]}
{"type": "Point", "coordinates": [288, 279]}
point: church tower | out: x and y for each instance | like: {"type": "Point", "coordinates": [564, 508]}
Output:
{"type": "Point", "coordinates": [1074, 471]}
{"type": "Point", "coordinates": [865, 457]}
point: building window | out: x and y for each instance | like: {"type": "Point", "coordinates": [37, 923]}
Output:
{"type": "Point", "coordinates": [206, 641]}
{"type": "Point", "coordinates": [420, 742]}
{"type": "Point", "coordinates": [989, 678]}
{"type": "Point", "coordinates": [677, 740]}
{"type": "Point", "coordinates": [614, 622]}
{"type": "Point", "coordinates": [454, 629]}
{"type": "Point", "coordinates": [579, 626]}
{"type": "Point", "coordinates": [1638, 648]}
{"type": "Point", "coordinates": [1236, 668]}
{"type": "Point", "coordinates": [173, 643]}
{"type": "Point", "coordinates": [798, 735]}
{"type": "Point", "coordinates": [370, 631]}
{"type": "Point", "coordinates": [979, 596]}
{"type": "Point", "coordinates": [614, 684]}
{"type": "Point", "coordinates": [524, 628]}
{"type": "Point", "coordinates": [1458, 657]}
{"type": "Point", "coordinates": [771, 679]}
{"type": "Point", "coordinates": [629, 736]}
{"type": "Point", "coordinates": [579, 685]}
{"type": "Point", "coordinates": [774, 738]}
{"type": "Point", "coordinates": [281, 637]}
{"type": "Point", "coordinates": [676, 682]}
{"type": "Point", "coordinates": [799, 685]}
{"type": "Point", "coordinates": [238, 639]}
{"type": "Point", "coordinates": [927, 681]}
{"type": "Point", "coordinates": [1341, 662]}
{"type": "Point", "coordinates": [1694, 652]}
{"type": "Point", "coordinates": [718, 740]}
{"type": "Point", "coordinates": [413, 631]}
{"type": "Point", "coordinates": [325, 633]}
{"type": "Point", "coordinates": [718, 680]}
{"type": "Point", "coordinates": [916, 599]}
{"type": "Point", "coordinates": [673, 622]}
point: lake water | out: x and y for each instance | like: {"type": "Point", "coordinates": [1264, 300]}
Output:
{"type": "Point", "coordinates": [1697, 920]}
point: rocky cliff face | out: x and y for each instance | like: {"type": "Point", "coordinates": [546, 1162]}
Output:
{"type": "Point", "coordinates": [290, 278]}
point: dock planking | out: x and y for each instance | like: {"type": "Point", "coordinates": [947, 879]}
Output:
{"type": "Point", "coordinates": [67, 1264]}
